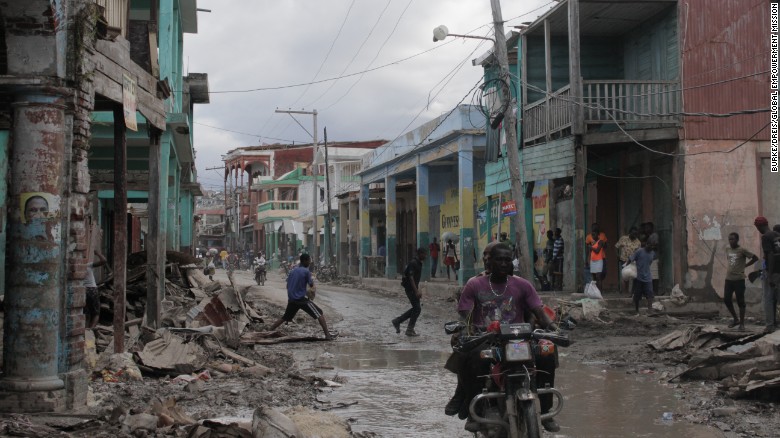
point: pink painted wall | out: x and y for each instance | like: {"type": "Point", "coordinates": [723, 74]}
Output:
{"type": "Point", "coordinates": [722, 193]}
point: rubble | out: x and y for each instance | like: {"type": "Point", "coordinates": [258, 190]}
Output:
{"type": "Point", "coordinates": [745, 364]}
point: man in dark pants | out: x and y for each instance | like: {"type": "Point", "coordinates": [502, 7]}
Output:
{"type": "Point", "coordinates": [411, 284]}
{"type": "Point", "coordinates": [771, 275]}
{"type": "Point", "coordinates": [297, 280]}
{"type": "Point", "coordinates": [480, 303]}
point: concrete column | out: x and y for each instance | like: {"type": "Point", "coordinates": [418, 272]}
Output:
{"type": "Point", "coordinates": [365, 229]}
{"type": "Point", "coordinates": [423, 226]}
{"type": "Point", "coordinates": [466, 209]}
{"type": "Point", "coordinates": [159, 155]}
{"type": "Point", "coordinates": [354, 232]}
{"type": "Point", "coordinates": [391, 261]}
{"type": "Point", "coordinates": [35, 281]}
{"type": "Point", "coordinates": [343, 248]}
{"type": "Point", "coordinates": [171, 209]}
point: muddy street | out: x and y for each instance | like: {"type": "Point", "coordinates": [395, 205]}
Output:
{"type": "Point", "coordinates": [396, 386]}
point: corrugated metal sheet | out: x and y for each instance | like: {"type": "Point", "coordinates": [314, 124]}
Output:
{"type": "Point", "coordinates": [725, 59]}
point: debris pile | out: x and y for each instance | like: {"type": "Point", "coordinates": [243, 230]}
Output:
{"type": "Point", "coordinates": [746, 365]}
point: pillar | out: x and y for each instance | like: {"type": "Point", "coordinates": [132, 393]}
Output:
{"type": "Point", "coordinates": [159, 155]}
{"type": "Point", "coordinates": [35, 281]}
{"type": "Point", "coordinates": [365, 229]}
{"type": "Point", "coordinates": [343, 248]}
{"type": "Point", "coordinates": [466, 209]}
{"type": "Point", "coordinates": [354, 237]}
{"type": "Point", "coordinates": [391, 261]}
{"type": "Point", "coordinates": [423, 223]}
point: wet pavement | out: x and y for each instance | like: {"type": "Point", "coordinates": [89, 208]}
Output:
{"type": "Point", "coordinates": [401, 387]}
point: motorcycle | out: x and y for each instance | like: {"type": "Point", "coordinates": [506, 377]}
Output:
{"type": "Point", "coordinates": [260, 275]}
{"type": "Point", "coordinates": [507, 406]}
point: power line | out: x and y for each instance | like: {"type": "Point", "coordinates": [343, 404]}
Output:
{"type": "Point", "coordinates": [365, 40]}
{"type": "Point", "coordinates": [247, 134]}
{"type": "Point", "coordinates": [327, 55]}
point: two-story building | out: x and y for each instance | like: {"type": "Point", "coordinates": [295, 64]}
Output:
{"type": "Point", "coordinates": [644, 111]}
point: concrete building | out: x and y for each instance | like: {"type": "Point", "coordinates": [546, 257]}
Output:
{"type": "Point", "coordinates": [63, 66]}
{"type": "Point", "coordinates": [427, 183]}
{"type": "Point", "coordinates": [626, 109]}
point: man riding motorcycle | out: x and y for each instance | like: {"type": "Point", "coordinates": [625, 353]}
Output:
{"type": "Point", "coordinates": [260, 267]}
{"type": "Point", "coordinates": [497, 295]}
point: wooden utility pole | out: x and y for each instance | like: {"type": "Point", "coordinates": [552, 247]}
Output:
{"type": "Point", "coordinates": [510, 126]}
{"type": "Point", "coordinates": [315, 232]}
{"type": "Point", "coordinates": [120, 227]}
{"type": "Point", "coordinates": [327, 227]}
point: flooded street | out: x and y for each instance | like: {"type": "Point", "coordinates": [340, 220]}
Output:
{"type": "Point", "coordinates": [401, 387]}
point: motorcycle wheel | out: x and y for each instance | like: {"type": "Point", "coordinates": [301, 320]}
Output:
{"type": "Point", "coordinates": [527, 411]}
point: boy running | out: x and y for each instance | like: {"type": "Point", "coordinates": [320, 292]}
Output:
{"type": "Point", "coordinates": [297, 281]}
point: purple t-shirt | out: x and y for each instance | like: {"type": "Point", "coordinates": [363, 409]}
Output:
{"type": "Point", "coordinates": [508, 307]}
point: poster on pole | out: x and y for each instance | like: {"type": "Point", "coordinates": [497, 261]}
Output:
{"type": "Point", "coordinates": [129, 94]}
{"type": "Point", "coordinates": [508, 208]}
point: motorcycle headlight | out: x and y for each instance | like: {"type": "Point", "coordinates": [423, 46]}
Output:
{"type": "Point", "coordinates": [518, 351]}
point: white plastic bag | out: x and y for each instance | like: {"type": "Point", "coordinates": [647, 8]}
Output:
{"type": "Point", "coordinates": [592, 291]}
{"type": "Point", "coordinates": [628, 273]}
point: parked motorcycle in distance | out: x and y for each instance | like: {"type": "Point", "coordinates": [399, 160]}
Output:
{"type": "Point", "coordinates": [507, 406]}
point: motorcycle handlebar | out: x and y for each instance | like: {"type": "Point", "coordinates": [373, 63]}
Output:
{"type": "Point", "coordinates": [554, 337]}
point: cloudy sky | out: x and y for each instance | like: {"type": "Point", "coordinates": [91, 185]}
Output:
{"type": "Point", "coordinates": [291, 49]}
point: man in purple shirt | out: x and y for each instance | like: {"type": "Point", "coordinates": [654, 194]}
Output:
{"type": "Point", "coordinates": [499, 296]}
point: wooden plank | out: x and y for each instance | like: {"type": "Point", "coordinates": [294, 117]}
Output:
{"type": "Point", "coordinates": [153, 241]}
{"type": "Point", "coordinates": [575, 76]}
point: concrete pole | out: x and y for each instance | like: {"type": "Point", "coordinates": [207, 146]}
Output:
{"type": "Point", "coordinates": [36, 249]}
{"type": "Point", "coordinates": [510, 126]}
{"type": "Point", "coordinates": [316, 234]}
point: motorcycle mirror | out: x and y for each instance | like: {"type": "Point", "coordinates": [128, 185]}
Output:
{"type": "Point", "coordinates": [453, 327]}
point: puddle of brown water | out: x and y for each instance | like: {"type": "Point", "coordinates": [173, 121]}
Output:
{"type": "Point", "coordinates": [402, 393]}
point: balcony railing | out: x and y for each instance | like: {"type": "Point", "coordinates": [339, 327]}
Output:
{"type": "Point", "coordinates": [626, 101]}
{"type": "Point", "coordinates": [547, 116]}
{"type": "Point", "coordinates": [116, 14]}
{"type": "Point", "coordinates": [646, 102]}
{"type": "Point", "coordinates": [277, 205]}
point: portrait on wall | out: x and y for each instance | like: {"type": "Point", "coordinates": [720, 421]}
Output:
{"type": "Point", "coordinates": [37, 205]}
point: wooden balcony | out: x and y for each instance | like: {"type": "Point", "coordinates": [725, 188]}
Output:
{"type": "Point", "coordinates": [116, 14]}
{"type": "Point", "coordinates": [548, 117]}
{"type": "Point", "coordinates": [633, 104]}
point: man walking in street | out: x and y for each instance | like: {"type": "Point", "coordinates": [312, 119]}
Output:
{"type": "Point", "coordinates": [548, 257]}
{"type": "Point", "coordinates": [411, 284]}
{"type": "Point", "coordinates": [770, 245]}
{"type": "Point", "coordinates": [434, 249]}
{"type": "Point", "coordinates": [297, 281]}
{"type": "Point", "coordinates": [643, 284]}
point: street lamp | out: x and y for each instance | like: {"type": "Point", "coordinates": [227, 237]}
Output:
{"type": "Point", "coordinates": [441, 32]}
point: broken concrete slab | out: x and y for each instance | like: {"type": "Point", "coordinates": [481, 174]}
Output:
{"type": "Point", "coordinates": [172, 353]}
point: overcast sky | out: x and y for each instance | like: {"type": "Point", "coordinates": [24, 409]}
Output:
{"type": "Point", "coordinates": [250, 44]}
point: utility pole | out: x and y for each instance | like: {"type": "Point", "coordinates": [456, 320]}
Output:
{"type": "Point", "coordinates": [315, 192]}
{"type": "Point", "coordinates": [510, 123]}
{"type": "Point", "coordinates": [327, 228]}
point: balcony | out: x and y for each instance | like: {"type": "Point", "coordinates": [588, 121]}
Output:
{"type": "Point", "coordinates": [633, 104]}
{"type": "Point", "coordinates": [276, 210]}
